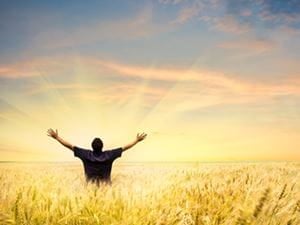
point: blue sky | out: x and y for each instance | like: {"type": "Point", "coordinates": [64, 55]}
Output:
{"type": "Point", "coordinates": [194, 29]}
{"type": "Point", "coordinates": [224, 70]}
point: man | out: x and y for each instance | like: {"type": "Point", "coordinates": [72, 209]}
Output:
{"type": "Point", "coordinates": [97, 163]}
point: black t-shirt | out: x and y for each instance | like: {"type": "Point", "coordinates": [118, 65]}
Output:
{"type": "Point", "coordinates": [97, 167]}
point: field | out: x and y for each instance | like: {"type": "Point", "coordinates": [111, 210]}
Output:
{"type": "Point", "coordinates": [152, 193]}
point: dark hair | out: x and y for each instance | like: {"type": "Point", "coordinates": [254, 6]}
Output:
{"type": "Point", "coordinates": [97, 145]}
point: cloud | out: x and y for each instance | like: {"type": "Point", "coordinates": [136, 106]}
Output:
{"type": "Point", "coordinates": [209, 78]}
{"type": "Point", "coordinates": [31, 67]}
{"type": "Point", "coordinates": [212, 79]}
{"type": "Point", "coordinates": [268, 12]}
{"type": "Point", "coordinates": [253, 45]}
{"type": "Point", "coordinates": [210, 12]}
{"type": "Point", "coordinates": [17, 71]}
{"type": "Point", "coordinates": [230, 25]}
{"type": "Point", "coordinates": [174, 2]}
{"type": "Point", "coordinates": [289, 31]}
{"type": "Point", "coordinates": [96, 91]}
{"type": "Point", "coordinates": [59, 86]}
{"type": "Point", "coordinates": [287, 7]}
{"type": "Point", "coordinates": [230, 16]}
{"type": "Point", "coordinates": [239, 17]}
{"type": "Point", "coordinates": [195, 84]}
{"type": "Point", "coordinates": [187, 13]}
{"type": "Point", "coordinates": [122, 93]}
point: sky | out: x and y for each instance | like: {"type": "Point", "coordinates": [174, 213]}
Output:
{"type": "Point", "coordinates": [207, 80]}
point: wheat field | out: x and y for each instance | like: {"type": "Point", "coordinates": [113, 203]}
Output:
{"type": "Point", "coordinates": [152, 193]}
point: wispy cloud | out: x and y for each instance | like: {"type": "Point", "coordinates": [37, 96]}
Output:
{"type": "Point", "coordinates": [209, 78]}
{"type": "Point", "coordinates": [174, 2]}
{"type": "Point", "coordinates": [14, 71]}
{"type": "Point", "coordinates": [230, 25]}
{"type": "Point", "coordinates": [188, 13]}
{"type": "Point", "coordinates": [58, 86]}
{"type": "Point", "coordinates": [122, 93]}
{"type": "Point", "coordinates": [239, 17]}
{"type": "Point", "coordinates": [252, 45]}
{"type": "Point", "coordinates": [31, 67]}
{"type": "Point", "coordinates": [206, 77]}
{"type": "Point", "coordinates": [268, 12]}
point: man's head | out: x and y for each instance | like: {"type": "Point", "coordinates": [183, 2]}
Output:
{"type": "Point", "coordinates": [97, 145]}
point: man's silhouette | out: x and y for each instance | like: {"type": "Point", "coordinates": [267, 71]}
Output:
{"type": "Point", "coordinates": [97, 163]}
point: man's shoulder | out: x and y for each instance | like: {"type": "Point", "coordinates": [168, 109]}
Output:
{"type": "Point", "coordinates": [114, 153]}
{"type": "Point", "coordinates": [78, 151]}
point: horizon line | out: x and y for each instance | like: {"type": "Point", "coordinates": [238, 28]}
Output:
{"type": "Point", "coordinates": [225, 161]}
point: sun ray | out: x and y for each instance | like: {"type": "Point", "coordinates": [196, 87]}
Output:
{"type": "Point", "coordinates": [163, 100]}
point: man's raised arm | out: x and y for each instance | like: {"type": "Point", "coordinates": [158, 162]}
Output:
{"type": "Point", "coordinates": [54, 134]}
{"type": "Point", "coordinates": [139, 137]}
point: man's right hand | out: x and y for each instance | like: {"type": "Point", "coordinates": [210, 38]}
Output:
{"type": "Point", "coordinates": [140, 137]}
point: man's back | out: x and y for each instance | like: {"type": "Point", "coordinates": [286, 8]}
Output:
{"type": "Point", "coordinates": [97, 167]}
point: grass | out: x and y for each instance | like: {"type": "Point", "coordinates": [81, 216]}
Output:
{"type": "Point", "coordinates": [141, 194]}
